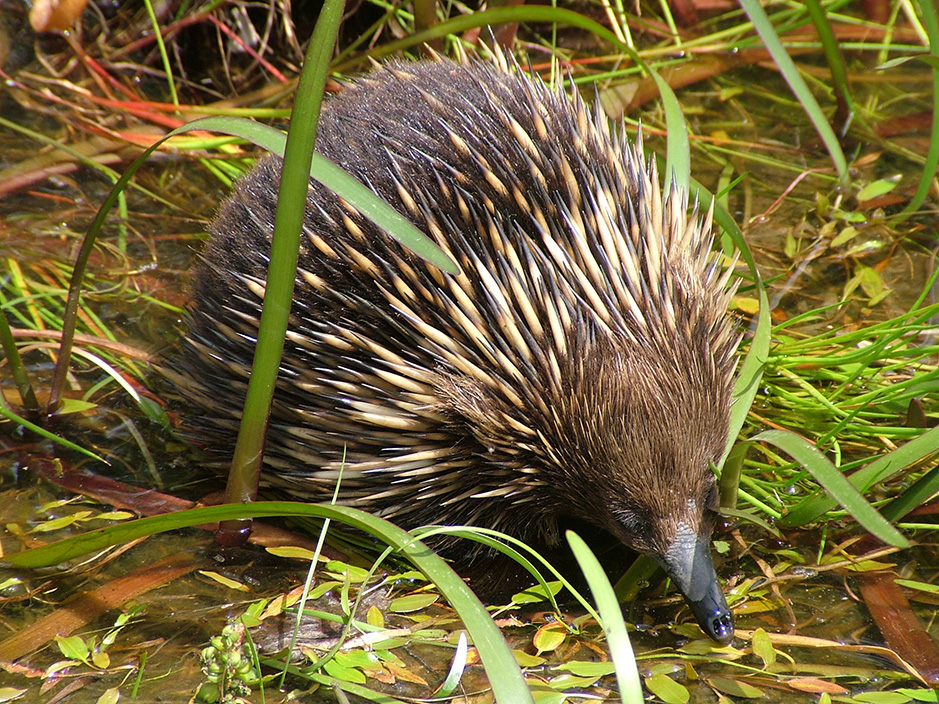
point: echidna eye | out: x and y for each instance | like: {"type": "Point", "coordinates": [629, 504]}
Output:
{"type": "Point", "coordinates": [711, 499]}
{"type": "Point", "coordinates": [633, 520]}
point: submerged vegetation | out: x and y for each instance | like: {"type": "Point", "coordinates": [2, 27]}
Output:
{"type": "Point", "coordinates": [829, 493]}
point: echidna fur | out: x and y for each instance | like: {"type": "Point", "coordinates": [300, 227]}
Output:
{"type": "Point", "coordinates": [579, 365]}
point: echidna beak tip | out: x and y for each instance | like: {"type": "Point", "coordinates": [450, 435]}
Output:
{"type": "Point", "coordinates": [689, 564]}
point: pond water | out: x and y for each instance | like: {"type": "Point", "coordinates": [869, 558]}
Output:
{"type": "Point", "coordinates": [798, 585]}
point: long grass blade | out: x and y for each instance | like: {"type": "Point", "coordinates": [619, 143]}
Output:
{"type": "Point", "coordinates": [930, 19]}
{"type": "Point", "coordinates": [282, 270]}
{"type": "Point", "coordinates": [506, 679]}
{"type": "Point", "coordinates": [810, 508]}
{"type": "Point", "coordinates": [621, 650]}
{"type": "Point", "coordinates": [835, 483]}
{"type": "Point", "coordinates": [790, 73]}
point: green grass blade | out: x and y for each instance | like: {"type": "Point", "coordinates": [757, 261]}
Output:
{"type": "Point", "coordinates": [751, 369]}
{"type": "Point", "coordinates": [282, 269]}
{"type": "Point", "coordinates": [677, 151]}
{"type": "Point", "coordinates": [17, 368]}
{"type": "Point", "coordinates": [790, 73]}
{"type": "Point", "coordinates": [621, 650]}
{"type": "Point", "coordinates": [922, 490]}
{"type": "Point", "coordinates": [931, 25]}
{"type": "Point", "coordinates": [835, 483]}
{"type": "Point", "coordinates": [337, 180]}
{"type": "Point", "coordinates": [504, 675]}
{"type": "Point", "coordinates": [880, 469]}
{"type": "Point", "coordinates": [833, 55]}
{"type": "Point", "coordinates": [11, 415]}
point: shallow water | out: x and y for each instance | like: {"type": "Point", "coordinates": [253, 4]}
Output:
{"type": "Point", "coordinates": [135, 290]}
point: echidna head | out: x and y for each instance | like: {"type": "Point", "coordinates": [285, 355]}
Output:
{"type": "Point", "coordinates": [640, 430]}
{"type": "Point", "coordinates": [626, 437]}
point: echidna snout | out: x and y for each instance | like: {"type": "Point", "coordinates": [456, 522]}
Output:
{"type": "Point", "coordinates": [580, 364]}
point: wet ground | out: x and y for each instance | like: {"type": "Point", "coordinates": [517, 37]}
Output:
{"type": "Point", "coordinates": [827, 641]}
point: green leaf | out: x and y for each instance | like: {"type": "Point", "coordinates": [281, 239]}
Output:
{"type": "Point", "coordinates": [292, 552]}
{"type": "Point", "coordinates": [374, 617]}
{"type": "Point", "coordinates": [567, 682]}
{"type": "Point", "coordinates": [526, 660]}
{"type": "Point", "coordinates": [355, 574]}
{"type": "Point", "coordinates": [584, 668]}
{"type": "Point", "coordinates": [876, 189]}
{"type": "Point", "coordinates": [72, 647]}
{"type": "Point", "coordinates": [412, 602]}
{"type": "Point", "coordinates": [537, 593]}
{"type": "Point", "coordinates": [357, 658]}
{"type": "Point", "coordinates": [546, 695]}
{"type": "Point", "coordinates": [881, 698]}
{"type": "Point", "coordinates": [918, 586]}
{"type": "Point", "coordinates": [667, 689]}
{"type": "Point", "coordinates": [920, 695]}
{"type": "Point", "coordinates": [341, 672]}
{"type": "Point", "coordinates": [75, 405]}
{"type": "Point", "coordinates": [549, 638]}
{"type": "Point", "coordinates": [61, 522]}
{"type": "Point", "coordinates": [735, 688]}
{"type": "Point", "coordinates": [109, 696]}
{"type": "Point", "coordinates": [763, 647]}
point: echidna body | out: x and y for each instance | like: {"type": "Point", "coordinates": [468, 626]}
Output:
{"type": "Point", "coordinates": [579, 365]}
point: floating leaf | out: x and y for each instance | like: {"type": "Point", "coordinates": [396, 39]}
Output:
{"type": "Point", "coordinates": [292, 552]}
{"type": "Point", "coordinates": [110, 696]}
{"type": "Point", "coordinates": [814, 685]}
{"type": "Point", "coordinates": [567, 682]}
{"type": "Point", "coordinates": [549, 637]}
{"type": "Point", "coordinates": [536, 593]}
{"type": "Point", "coordinates": [61, 522]}
{"type": "Point", "coordinates": [346, 674]}
{"type": "Point", "coordinates": [746, 304]}
{"type": "Point", "coordinates": [763, 647]}
{"type": "Point", "coordinates": [115, 516]}
{"type": "Point", "coordinates": [667, 689]}
{"type": "Point", "coordinates": [846, 235]}
{"type": "Point", "coordinates": [921, 695]}
{"type": "Point", "coordinates": [587, 669]}
{"type": "Point", "coordinates": [919, 586]}
{"type": "Point", "coordinates": [374, 617]}
{"type": "Point", "coordinates": [224, 581]}
{"type": "Point", "coordinates": [72, 647]}
{"type": "Point", "coordinates": [356, 574]}
{"type": "Point", "coordinates": [412, 602]}
{"type": "Point", "coordinates": [881, 698]}
{"type": "Point", "coordinates": [526, 660]}
{"type": "Point", "coordinates": [878, 188]}
{"type": "Point", "coordinates": [75, 405]}
{"type": "Point", "coordinates": [735, 688]}
{"type": "Point", "coordinates": [357, 658]}
{"type": "Point", "coordinates": [546, 695]}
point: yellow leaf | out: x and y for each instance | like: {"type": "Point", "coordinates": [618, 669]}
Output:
{"type": "Point", "coordinates": [224, 581]}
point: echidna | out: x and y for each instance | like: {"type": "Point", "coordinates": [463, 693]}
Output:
{"type": "Point", "coordinates": [579, 366]}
